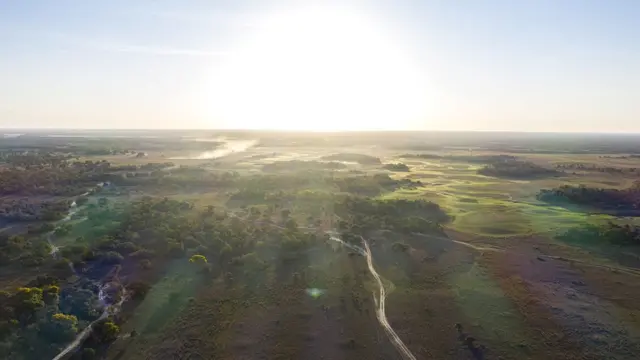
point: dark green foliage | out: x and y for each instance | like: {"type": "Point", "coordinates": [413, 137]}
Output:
{"type": "Point", "coordinates": [81, 200]}
{"type": "Point", "coordinates": [620, 201]}
{"type": "Point", "coordinates": [102, 202]}
{"type": "Point", "coordinates": [62, 230]}
{"type": "Point", "coordinates": [41, 229]}
{"type": "Point", "coordinates": [400, 167]}
{"type": "Point", "coordinates": [82, 303]}
{"type": "Point", "coordinates": [362, 215]}
{"type": "Point", "coordinates": [110, 257]}
{"type": "Point", "coordinates": [478, 159]}
{"type": "Point", "coordinates": [145, 264]}
{"type": "Point", "coordinates": [88, 354]}
{"type": "Point", "coordinates": [59, 328]}
{"type": "Point", "coordinates": [599, 168]}
{"type": "Point", "coordinates": [50, 294]}
{"type": "Point", "coordinates": [298, 165]}
{"type": "Point", "coordinates": [517, 169]}
{"type": "Point", "coordinates": [105, 331]}
{"type": "Point", "coordinates": [351, 157]}
{"type": "Point", "coordinates": [401, 247]}
{"type": "Point", "coordinates": [621, 235]}
{"type": "Point", "coordinates": [139, 289]}
{"type": "Point", "coordinates": [27, 300]}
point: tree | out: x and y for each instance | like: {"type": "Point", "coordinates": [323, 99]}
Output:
{"type": "Point", "coordinates": [50, 294]}
{"type": "Point", "coordinates": [28, 300]}
{"type": "Point", "coordinates": [139, 289]}
{"type": "Point", "coordinates": [111, 258]}
{"type": "Point", "coordinates": [145, 264]}
{"type": "Point", "coordinates": [197, 258]}
{"type": "Point", "coordinates": [105, 331]}
{"type": "Point", "coordinates": [102, 202]}
{"type": "Point", "coordinates": [60, 328]}
{"type": "Point", "coordinates": [88, 354]}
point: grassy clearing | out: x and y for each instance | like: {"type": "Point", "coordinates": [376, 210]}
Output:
{"type": "Point", "coordinates": [492, 316]}
{"type": "Point", "coordinates": [490, 206]}
{"type": "Point", "coordinates": [166, 299]}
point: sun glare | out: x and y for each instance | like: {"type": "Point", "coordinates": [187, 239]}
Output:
{"type": "Point", "coordinates": [319, 69]}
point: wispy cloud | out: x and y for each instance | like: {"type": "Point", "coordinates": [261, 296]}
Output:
{"type": "Point", "coordinates": [155, 50]}
{"type": "Point", "coordinates": [118, 47]}
{"type": "Point", "coordinates": [227, 19]}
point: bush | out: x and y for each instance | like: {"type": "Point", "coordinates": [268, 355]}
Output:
{"type": "Point", "coordinates": [88, 354]}
{"type": "Point", "coordinates": [126, 248]}
{"type": "Point", "coordinates": [399, 246]}
{"type": "Point", "coordinates": [60, 328]}
{"type": "Point", "coordinates": [396, 167]}
{"type": "Point", "coordinates": [50, 294]}
{"type": "Point", "coordinates": [105, 331]}
{"type": "Point", "coordinates": [139, 289]}
{"type": "Point", "coordinates": [145, 264]}
{"type": "Point", "coordinates": [111, 258]}
{"type": "Point", "coordinates": [32, 261]}
{"type": "Point", "coordinates": [28, 300]}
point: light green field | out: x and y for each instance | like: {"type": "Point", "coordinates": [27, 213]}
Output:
{"type": "Point", "coordinates": [490, 206]}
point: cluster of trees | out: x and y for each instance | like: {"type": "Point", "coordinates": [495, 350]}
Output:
{"type": "Point", "coordinates": [619, 200]}
{"type": "Point", "coordinates": [143, 167]}
{"type": "Point", "coordinates": [51, 176]}
{"type": "Point", "coordinates": [30, 159]}
{"type": "Point", "coordinates": [610, 233]}
{"type": "Point", "coordinates": [362, 215]}
{"type": "Point", "coordinates": [298, 165]}
{"type": "Point", "coordinates": [352, 157]}
{"type": "Point", "coordinates": [38, 319]}
{"type": "Point", "coordinates": [367, 185]}
{"type": "Point", "coordinates": [517, 169]}
{"type": "Point", "coordinates": [475, 159]}
{"type": "Point", "coordinates": [397, 167]}
{"type": "Point", "coordinates": [598, 168]}
{"type": "Point", "coordinates": [24, 209]}
{"type": "Point", "coordinates": [23, 249]}
{"type": "Point", "coordinates": [288, 189]}
{"type": "Point", "coordinates": [633, 156]}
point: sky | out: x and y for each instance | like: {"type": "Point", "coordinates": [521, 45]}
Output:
{"type": "Point", "coordinates": [545, 65]}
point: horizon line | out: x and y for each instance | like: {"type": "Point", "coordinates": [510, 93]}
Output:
{"type": "Point", "coordinates": [63, 129]}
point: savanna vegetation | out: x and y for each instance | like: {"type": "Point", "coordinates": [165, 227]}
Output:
{"type": "Point", "coordinates": [619, 201]}
{"type": "Point", "coordinates": [122, 248]}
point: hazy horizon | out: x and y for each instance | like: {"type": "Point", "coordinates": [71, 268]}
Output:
{"type": "Point", "coordinates": [408, 65]}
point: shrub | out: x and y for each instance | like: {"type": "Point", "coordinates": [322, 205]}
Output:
{"type": "Point", "coordinates": [28, 300]}
{"type": "Point", "coordinates": [88, 354]}
{"type": "Point", "coordinates": [145, 264]}
{"type": "Point", "coordinates": [111, 258]}
{"type": "Point", "coordinates": [139, 289]}
{"type": "Point", "coordinates": [399, 246]}
{"type": "Point", "coordinates": [106, 331]}
{"type": "Point", "coordinates": [50, 294]}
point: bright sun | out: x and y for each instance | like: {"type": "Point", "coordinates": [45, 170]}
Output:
{"type": "Point", "coordinates": [319, 69]}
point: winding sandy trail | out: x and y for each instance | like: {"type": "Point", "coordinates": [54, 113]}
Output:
{"type": "Point", "coordinates": [110, 310]}
{"type": "Point", "coordinates": [379, 300]}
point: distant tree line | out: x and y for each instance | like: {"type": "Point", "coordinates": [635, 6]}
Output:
{"type": "Point", "coordinates": [352, 157]}
{"type": "Point", "coordinates": [399, 167]}
{"type": "Point", "coordinates": [620, 201]}
{"type": "Point", "coordinates": [610, 233]}
{"type": "Point", "coordinates": [517, 169]}
{"type": "Point", "coordinates": [598, 168]}
{"type": "Point", "coordinates": [298, 165]}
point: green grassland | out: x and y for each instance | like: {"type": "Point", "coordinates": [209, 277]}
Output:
{"type": "Point", "coordinates": [491, 206]}
{"type": "Point", "coordinates": [276, 286]}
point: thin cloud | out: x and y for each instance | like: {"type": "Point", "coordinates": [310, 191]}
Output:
{"type": "Point", "coordinates": [156, 50]}
{"type": "Point", "coordinates": [116, 47]}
